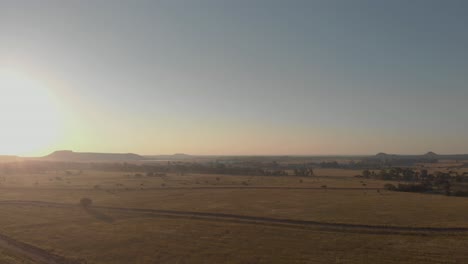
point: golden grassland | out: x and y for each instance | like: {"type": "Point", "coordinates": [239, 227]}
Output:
{"type": "Point", "coordinates": [106, 236]}
{"type": "Point", "coordinates": [146, 239]}
{"type": "Point", "coordinates": [340, 206]}
{"type": "Point", "coordinates": [10, 257]}
{"type": "Point", "coordinates": [337, 178]}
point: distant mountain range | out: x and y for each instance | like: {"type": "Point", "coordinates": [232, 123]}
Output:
{"type": "Point", "coordinates": [68, 155]}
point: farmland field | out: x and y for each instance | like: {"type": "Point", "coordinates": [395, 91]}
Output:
{"type": "Point", "coordinates": [205, 218]}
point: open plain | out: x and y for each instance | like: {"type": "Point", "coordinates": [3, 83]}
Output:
{"type": "Point", "coordinates": [331, 217]}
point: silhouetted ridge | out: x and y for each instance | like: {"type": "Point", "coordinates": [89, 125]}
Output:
{"type": "Point", "coordinates": [177, 156]}
{"type": "Point", "coordinates": [428, 156]}
{"type": "Point", "coordinates": [68, 155]}
{"type": "Point", "coordinates": [381, 155]}
{"type": "Point", "coordinates": [431, 154]}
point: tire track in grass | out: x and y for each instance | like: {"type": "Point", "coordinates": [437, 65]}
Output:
{"type": "Point", "coordinates": [174, 188]}
{"type": "Point", "coordinates": [34, 253]}
{"type": "Point", "coordinates": [344, 227]}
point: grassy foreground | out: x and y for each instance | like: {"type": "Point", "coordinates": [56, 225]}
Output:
{"type": "Point", "coordinates": [100, 236]}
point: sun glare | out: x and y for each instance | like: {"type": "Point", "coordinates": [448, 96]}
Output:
{"type": "Point", "coordinates": [28, 114]}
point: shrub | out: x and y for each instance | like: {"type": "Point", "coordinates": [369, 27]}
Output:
{"type": "Point", "coordinates": [86, 202]}
{"type": "Point", "coordinates": [461, 193]}
{"type": "Point", "coordinates": [412, 188]}
{"type": "Point", "coordinates": [390, 187]}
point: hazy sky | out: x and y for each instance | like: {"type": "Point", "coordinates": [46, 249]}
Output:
{"type": "Point", "coordinates": [242, 76]}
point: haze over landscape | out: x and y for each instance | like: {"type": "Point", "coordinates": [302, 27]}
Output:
{"type": "Point", "coordinates": [233, 131]}
{"type": "Point", "coordinates": [233, 77]}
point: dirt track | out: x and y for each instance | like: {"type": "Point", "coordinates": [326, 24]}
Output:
{"type": "Point", "coordinates": [34, 253]}
{"type": "Point", "coordinates": [343, 227]}
{"type": "Point", "coordinates": [42, 256]}
{"type": "Point", "coordinates": [211, 188]}
{"type": "Point", "coordinates": [266, 188]}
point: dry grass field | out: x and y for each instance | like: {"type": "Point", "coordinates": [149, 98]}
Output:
{"type": "Point", "coordinates": [11, 257]}
{"type": "Point", "coordinates": [196, 218]}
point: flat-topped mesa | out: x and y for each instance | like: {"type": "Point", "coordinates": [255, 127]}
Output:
{"type": "Point", "coordinates": [428, 156]}
{"type": "Point", "coordinates": [8, 158]}
{"type": "Point", "coordinates": [431, 154]}
{"type": "Point", "coordinates": [68, 155]}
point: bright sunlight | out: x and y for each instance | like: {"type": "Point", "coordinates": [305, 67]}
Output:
{"type": "Point", "coordinates": [28, 114]}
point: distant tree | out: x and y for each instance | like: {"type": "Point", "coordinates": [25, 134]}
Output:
{"type": "Point", "coordinates": [447, 188]}
{"type": "Point", "coordinates": [409, 175]}
{"type": "Point", "coordinates": [413, 187]}
{"type": "Point", "coordinates": [384, 175]}
{"type": "Point", "coordinates": [330, 164]}
{"type": "Point", "coordinates": [461, 193]}
{"type": "Point", "coordinates": [424, 175]}
{"type": "Point", "coordinates": [366, 173]}
{"type": "Point", "coordinates": [306, 172]}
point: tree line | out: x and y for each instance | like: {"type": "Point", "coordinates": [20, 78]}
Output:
{"type": "Point", "coordinates": [420, 180]}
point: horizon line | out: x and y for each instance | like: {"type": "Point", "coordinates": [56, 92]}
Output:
{"type": "Point", "coordinates": [236, 155]}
